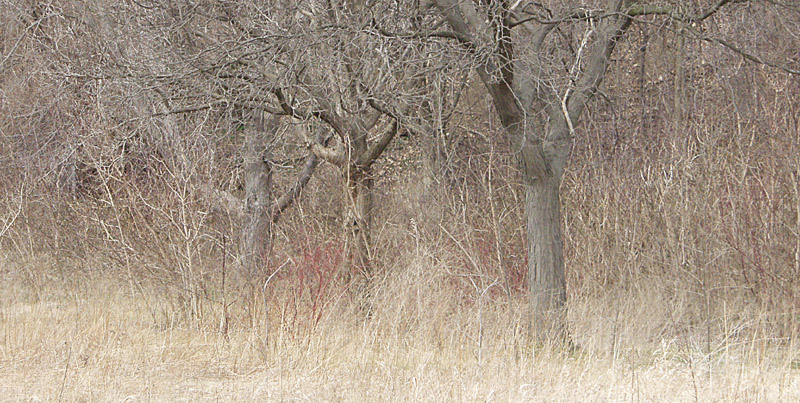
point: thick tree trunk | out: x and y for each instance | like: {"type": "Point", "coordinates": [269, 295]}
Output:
{"type": "Point", "coordinates": [541, 154]}
{"type": "Point", "coordinates": [255, 230]}
{"type": "Point", "coordinates": [545, 259]}
{"type": "Point", "coordinates": [542, 160]}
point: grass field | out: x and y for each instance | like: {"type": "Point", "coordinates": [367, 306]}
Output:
{"type": "Point", "coordinates": [96, 338]}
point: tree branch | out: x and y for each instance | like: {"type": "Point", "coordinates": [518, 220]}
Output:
{"type": "Point", "coordinates": [462, 18]}
{"type": "Point", "coordinates": [639, 10]}
{"type": "Point", "coordinates": [426, 35]}
{"type": "Point", "coordinates": [598, 59]}
{"type": "Point", "coordinates": [288, 198]}
{"type": "Point", "coordinates": [580, 15]}
{"type": "Point", "coordinates": [711, 11]}
{"type": "Point", "coordinates": [654, 9]}
{"type": "Point", "coordinates": [751, 57]}
{"type": "Point", "coordinates": [330, 118]}
{"type": "Point", "coordinates": [368, 158]}
{"type": "Point", "coordinates": [188, 109]}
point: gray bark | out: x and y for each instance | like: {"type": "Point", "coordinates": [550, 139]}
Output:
{"type": "Point", "coordinates": [289, 197]}
{"type": "Point", "coordinates": [256, 219]}
{"type": "Point", "coordinates": [546, 280]}
{"type": "Point", "coordinates": [312, 161]}
{"type": "Point", "coordinates": [541, 144]}
{"type": "Point", "coordinates": [360, 188]}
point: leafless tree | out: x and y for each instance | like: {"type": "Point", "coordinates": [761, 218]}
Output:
{"type": "Point", "coordinates": [541, 63]}
{"type": "Point", "coordinates": [339, 81]}
{"type": "Point", "coordinates": [320, 63]}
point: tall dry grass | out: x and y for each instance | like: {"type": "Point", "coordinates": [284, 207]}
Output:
{"type": "Point", "coordinates": [95, 340]}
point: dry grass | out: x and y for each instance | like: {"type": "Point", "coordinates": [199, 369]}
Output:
{"type": "Point", "coordinates": [96, 340]}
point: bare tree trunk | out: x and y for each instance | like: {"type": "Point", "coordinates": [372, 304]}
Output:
{"type": "Point", "coordinates": [542, 166]}
{"type": "Point", "coordinates": [255, 230]}
{"type": "Point", "coordinates": [435, 157]}
{"type": "Point", "coordinates": [360, 191]}
{"type": "Point", "coordinates": [546, 258]}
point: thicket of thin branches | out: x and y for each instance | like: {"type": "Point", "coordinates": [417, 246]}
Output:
{"type": "Point", "coordinates": [116, 119]}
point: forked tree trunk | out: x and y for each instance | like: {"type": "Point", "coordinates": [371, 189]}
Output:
{"type": "Point", "coordinates": [541, 155]}
{"type": "Point", "coordinates": [542, 165]}
{"type": "Point", "coordinates": [255, 230]}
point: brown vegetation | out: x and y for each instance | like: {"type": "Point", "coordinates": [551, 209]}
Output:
{"type": "Point", "coordinates": [121, 256]}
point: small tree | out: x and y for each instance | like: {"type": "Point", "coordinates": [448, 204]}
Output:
{"type": "Point", "coordinates": [318, 63]}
